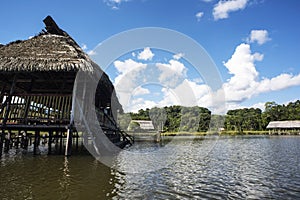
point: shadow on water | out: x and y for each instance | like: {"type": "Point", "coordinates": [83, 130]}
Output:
{"type": "Point", "coordinates": [54, 177]}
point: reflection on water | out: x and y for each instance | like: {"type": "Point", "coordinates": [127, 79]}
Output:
{"type": "Point", "coordinates": [258, 167]}
{"type": "Point", "coordinates": [54, 177]}
{"type": "Point", "coordinates": [237, 167]}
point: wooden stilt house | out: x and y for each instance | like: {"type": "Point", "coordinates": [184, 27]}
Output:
{"type": "Point", "coordinates": [36, 86]}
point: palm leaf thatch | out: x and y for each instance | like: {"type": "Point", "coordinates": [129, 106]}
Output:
{"type": "Point", "coordinates": [48, 64]}
{"type": "Point", "coordinates": [51, 50]}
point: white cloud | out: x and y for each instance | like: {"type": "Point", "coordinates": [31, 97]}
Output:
{"type": "Point", "coordinates": [146, 54]}
{"type": "Point", "coordinates": [178, 56]}
{"type": "Point", "coordinates": [259, 36]}
{"type": "Point", "coordinates": [114, 4]}
{"type": "Point", "coordinates": [199, 15]}
{"type": "Point", "coordinates": [140, 91]}
{"type": "Point", "coordinates": [245, 82]}
{"type": "Point", "coordinates": [127, 65]}
{"type": "Point", "coordinates": [127, 80]}
{"type": "Point", "coordinates": [139, 103]}
{"type": "Point", "coordinates": [92, 53]}
{"type": "Point", "coordinates": [223, 8]}
{"type": "Point", "coordinates": [171, 73]}
{"type": "Point", "coordinates": [279, 82]}
{"type": "Point", "coordinates": [84, 47]}
{"type": "Point", "coordinates": [260, 105]}
{"type": "Point", "coordinates": [169, 98]}
{"type": "Point", "coordinates": [241, 66]}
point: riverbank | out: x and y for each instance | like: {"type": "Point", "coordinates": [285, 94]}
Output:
{"type": "Point", "coordinates": [233, 133]}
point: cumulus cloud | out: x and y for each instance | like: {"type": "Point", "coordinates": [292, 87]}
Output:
{"type": "Point", "coordinates": [223, 8]}
{"type": "Point", "coordinates": [260, 105]}
{"type": "Point", "coordinates": [245, 82]}
{"type": "Point", "coordinates": [171, 73]}
{"type": "Point", "coordinates": [178, 56]}
{"type": "Point", "coordinates": [128, 80]}
{"type": "Point", "coordinates": [127, 65]}
{"type": "Point", "coordinates": [241, 66]}
{"type": "Point", "coordinates": [259, 36]}
{"type": "Point", "coordinates": [279, 82]}
{"type": "Point", "coordinates": [140, 91]}
{"type": "Point", "coordinates": [84, 47]}
{"type": "Point", "coordinates": [199, 15]}
{"type": "Point", "coordinates": [139, 103]}
{"type": "Point", "coordinates": [114, 4]}
{"type": "Point", "coordinates": [146, 54]}
{"type": "Point", "coordinates": [91, 53]}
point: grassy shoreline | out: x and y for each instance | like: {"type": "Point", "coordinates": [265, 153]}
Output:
{"type": "Point", "coordinates": [226, 133]}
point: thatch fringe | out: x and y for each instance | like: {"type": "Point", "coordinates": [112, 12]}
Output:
{"type": "Point", "coordinates": [44, 52]}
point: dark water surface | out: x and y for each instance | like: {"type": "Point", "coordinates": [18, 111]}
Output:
{"type": "Point", "coordinates": [260, 167]}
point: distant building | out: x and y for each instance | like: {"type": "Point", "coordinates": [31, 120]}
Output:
{"type": "Point", "coordinates": [284, 127]}
{"type": "Point", "coordinates": [145, 125]}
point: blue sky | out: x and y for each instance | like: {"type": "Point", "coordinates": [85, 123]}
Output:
{"type": "Point", "coordinates": [255, 44]}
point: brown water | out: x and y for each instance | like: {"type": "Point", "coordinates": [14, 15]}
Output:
{"type": "Point", "coordinates": [258, 167]}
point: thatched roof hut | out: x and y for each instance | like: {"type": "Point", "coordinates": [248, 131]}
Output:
{"type": "Point", "coordinates": [295, 124]}
{"type": "Point", "coordinates": [48, 63]}
{"type": "Point", "coordinates": [37, 78]}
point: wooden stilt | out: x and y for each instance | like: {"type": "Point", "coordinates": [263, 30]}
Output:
{"type": "Point", "coordinates": [50, 142]}
{"type": "Point", "coordinates": [1, 142]}
{"type": "Point", "coordinates": [30, 139]}
{"type": "Point", "coordinates": [18, 140]}
{"type": "Point", "coordinates": [60, 142]}
{"type": "Point", "coordinates": [7, 142]}
{"type": "Point", "coordinates": [7, 111]}
{"type": "Point", "coordinates": [36, 142]}
{"type": "Point", "coordinates": [68, 151]}
{"type": "Point", "coordinates": [77, 141]}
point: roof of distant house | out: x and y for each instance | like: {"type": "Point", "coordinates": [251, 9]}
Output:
{"type": "Point", "coordinates": [145, 124]}
{"type": "Point", "coordinates": [284, 124]}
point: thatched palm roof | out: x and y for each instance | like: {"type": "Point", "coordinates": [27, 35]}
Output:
{"type": "Point", "coordinates": [51, 50]}
{"type": "Point", "coordinates": [284, 124]}
{"type": "Point", "coordinates": [48, 64]}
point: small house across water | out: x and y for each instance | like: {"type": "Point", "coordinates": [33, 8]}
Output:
{"type": "Point", "coordinates": [284, 127]}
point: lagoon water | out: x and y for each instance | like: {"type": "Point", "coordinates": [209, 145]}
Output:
{"type": "Point", "coordinates": [252, 167]}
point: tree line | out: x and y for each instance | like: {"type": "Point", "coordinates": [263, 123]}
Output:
{"type": "Point", "coordinates": [171, 118]}
{"type": "Point", "coordinates": [256, 120]}
{"type": "Point", "coordinates": [199, 119]}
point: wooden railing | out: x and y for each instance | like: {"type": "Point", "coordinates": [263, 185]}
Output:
{"type": "Point", "coordinates": [37, 109]}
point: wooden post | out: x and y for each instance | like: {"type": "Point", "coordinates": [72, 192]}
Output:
{"type": "Point", "coordinates": [77, 138]}
{"type": "Point", "coordinates": [36, 142]}
{"type": "Point", "coordinates": [50, 142]}
{"type": "Point", "coordinates": [7, 142]}
{"type": "Point", "coordinates": [60, 142]}
{"type": "Point", "coordinates": [8, 101]}
{"type": "Point", "coordinates": [68, 151]}
{"type": "Point", "coordinates": [1, 142]}
{"type": "Point", "coordinates": [18, 140]}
